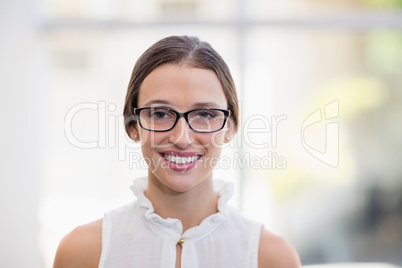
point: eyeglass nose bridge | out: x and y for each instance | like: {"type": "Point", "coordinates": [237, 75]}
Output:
{"type": "Point", "coordinates": [185, 116]}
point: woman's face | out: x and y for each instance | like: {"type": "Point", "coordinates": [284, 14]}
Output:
{"type": "Point", "coordinates": [182, 88]}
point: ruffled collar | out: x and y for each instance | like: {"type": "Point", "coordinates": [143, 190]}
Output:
{"type": "Point", "coordinates": [172, 229]}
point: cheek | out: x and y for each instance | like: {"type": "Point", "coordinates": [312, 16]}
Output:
{"type": "Point", "coordinates": [216, 140]}
{"type": "Point", "coordinates": [150, 140]}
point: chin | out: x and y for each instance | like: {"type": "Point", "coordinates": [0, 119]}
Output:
{"type": "Point", "coordinates": [179, 182]}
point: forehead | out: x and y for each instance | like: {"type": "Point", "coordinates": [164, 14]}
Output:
{"type": "Point", "coordinates": [183, 87]}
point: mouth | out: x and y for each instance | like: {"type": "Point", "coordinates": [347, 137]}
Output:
{"type": "Point", "coordinates": [180, 161]}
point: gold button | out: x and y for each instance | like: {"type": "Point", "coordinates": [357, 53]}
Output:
{"type": "Point", "coordinates": [181, 241]}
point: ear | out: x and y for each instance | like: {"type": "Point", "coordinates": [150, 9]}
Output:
{"type": "Point", "coordinates": [230, 130]}
{"type": "Point", "coordinates": [133, 131]}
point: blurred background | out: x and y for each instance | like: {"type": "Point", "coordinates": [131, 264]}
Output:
{"type": "Point", "coordinates": [317, 158]}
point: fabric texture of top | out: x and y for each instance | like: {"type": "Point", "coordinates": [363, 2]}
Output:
{"type": "Point", "coordinates": [135, 236]}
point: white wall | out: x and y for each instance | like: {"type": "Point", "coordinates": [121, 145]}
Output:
{"type": "Point", "coordinates": [19, 142]}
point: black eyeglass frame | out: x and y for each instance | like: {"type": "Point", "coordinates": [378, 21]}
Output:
{"type": "Point", "coordinates": [226, 114]}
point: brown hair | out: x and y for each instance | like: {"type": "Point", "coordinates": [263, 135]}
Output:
{"type": "Point", "coordinates": [178, 50]}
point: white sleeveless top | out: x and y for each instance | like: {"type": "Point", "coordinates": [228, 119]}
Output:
{"type": "Point", "coordinates": [134, 236]}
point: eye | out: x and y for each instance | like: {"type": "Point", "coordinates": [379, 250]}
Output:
{"type": "Point", "coordinates": [161, 114]}
{"type": "Point", "coordinates": [205, 115]}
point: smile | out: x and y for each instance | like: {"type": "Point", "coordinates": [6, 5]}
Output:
{"type": "Point", "coordinates": [181, 160]}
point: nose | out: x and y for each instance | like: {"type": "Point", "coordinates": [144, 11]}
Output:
{"type": "Point", "coordinates": [180, 134]}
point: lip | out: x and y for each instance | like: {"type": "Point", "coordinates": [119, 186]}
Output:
{"type": "Point", "coordinates": [181, 167]}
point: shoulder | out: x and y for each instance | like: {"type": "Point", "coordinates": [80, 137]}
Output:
{"type": "Point", "coordinates": [274, 251]}
{"type": "Point", "coordinates": [81, 247]}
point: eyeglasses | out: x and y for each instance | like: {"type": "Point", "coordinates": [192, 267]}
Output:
{"type": "Point", "coordinates": [164, 119]}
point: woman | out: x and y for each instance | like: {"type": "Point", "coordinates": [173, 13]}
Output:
{"type": "Point", "coordinates": [182, 106]}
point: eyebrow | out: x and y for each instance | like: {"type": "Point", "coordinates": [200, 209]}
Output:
{"type": "Point", "coordinates": [194, 106]}
{"type": "Point", "coordinates": [153, 102]}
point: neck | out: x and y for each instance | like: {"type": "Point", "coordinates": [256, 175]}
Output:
{"type": "Point", "coordinates": [190, 207]}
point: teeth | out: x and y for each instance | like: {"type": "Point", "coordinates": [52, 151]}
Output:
{"type": "Point", "coordinates": [180, 160]}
